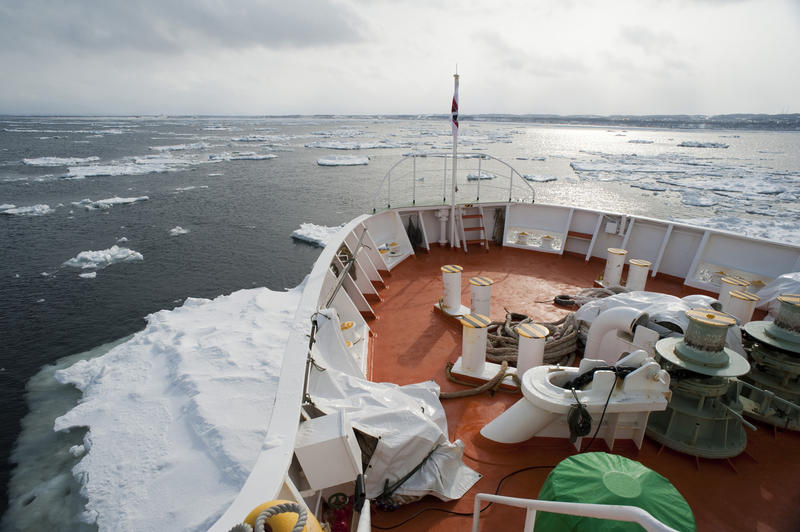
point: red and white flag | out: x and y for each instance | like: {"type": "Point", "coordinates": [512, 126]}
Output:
{"type": "Point", "coordinates": [454, 110]}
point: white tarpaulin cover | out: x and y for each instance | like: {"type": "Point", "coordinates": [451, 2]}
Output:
{"type": "Point", "coordinates": [788, 283]}
{"type": "Point", "coordinates": [410, 423]}
{"type": "Point", "coordinates": [662, 308]}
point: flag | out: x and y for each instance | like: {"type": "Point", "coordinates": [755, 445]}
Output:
{"type": "Point", "coordinates": [454, 110]}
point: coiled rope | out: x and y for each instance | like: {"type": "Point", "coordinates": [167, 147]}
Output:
{"type": "Point", "coordinates": [290, 507]}
{"type": "Point", "coordinates": [502, 340]}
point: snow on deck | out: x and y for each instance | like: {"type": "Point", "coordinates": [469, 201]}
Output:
{"type": "Point", "coordinates": [178, 414]}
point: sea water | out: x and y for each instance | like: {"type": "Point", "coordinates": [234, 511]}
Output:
{"type": "Point", "coordinates": [106, 220]}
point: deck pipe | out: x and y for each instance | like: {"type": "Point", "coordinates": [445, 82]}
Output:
{"type": "Point", "coordinates": [614, 262]}
{"type": "Point", "coordinates": [609, 322]}
{"type": "Point", "coordinates": [740, 305]}
{"type": "Point", "coordinates": [637, 274]}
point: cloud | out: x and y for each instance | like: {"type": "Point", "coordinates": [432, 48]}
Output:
{"type": "Point", "coordinates": [651, 42]}
{"type": "Point", "coordinates": [173, 26]}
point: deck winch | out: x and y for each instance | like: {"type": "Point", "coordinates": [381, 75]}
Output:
{"type": "Point", "coordinates": [704, 416]}
{"type": "Point", "coordinates": [775, 353]}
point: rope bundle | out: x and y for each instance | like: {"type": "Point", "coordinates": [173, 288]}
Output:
{"type": "Point", "coordinates": [502, 340]}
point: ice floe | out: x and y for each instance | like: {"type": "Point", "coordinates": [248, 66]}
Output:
{"type": "Point", "coordinates": [343, 160]}
{"type": "Point", "coordinates": [539, 178]}
{"type": "Point", "coordinates": [337, 145]}
{"type": "Point", "coordinates": [89, 205]}
{"type": "Point", "coordinates": [6, 206]}
{"type": "Point", "coordinates": [182, 147]}
{"type": "Point", "coordinates": [241, 156]}
{"type": "Point", "coordinates": [103, 258]}
{"type": "Point", "coordinates": [178, 230]}
{"type": "Point", "coordinates": [87, 275]}
{"type": "Point", "coordinates": [480, 176]}
{"type": "Point", "coordinates": [319, 235]}
{"type": "Point", "coordinates": [33, 210]}
{"type": "Point", "coordinates": [58, 161]}
{"type": "Point", "coordinates": [130, 166]}
{"type": "Point", "coordinates": [185, 402]}
{"type": "Point", "coordinates": [640, 141]}
{"type": "Point", "coordinates": [696, 144]}
{"type": "Point", "coordinates": [694, 198]}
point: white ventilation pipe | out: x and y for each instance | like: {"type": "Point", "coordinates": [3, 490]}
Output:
{"type": "Point", "coordinates": [607, 323]}
{"type": "Point", "coordinates": [637, 274]}
{"type": "Point", "coordinates": [614, 262]}
{"type": "Point", "coordinates": [741, 305]}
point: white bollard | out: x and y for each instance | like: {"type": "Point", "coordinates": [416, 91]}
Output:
{"type": "Point", "coordinates": [480, 295]}
{"type": "Point", "coordinates": [637, 274]}
{"type": "Point", "coordinates": [729, 284]}
{"type": "Point", "coordinates": [614, 263]}
{"type": "Point", "coordinates": [451, 279]}
{"type": "Point", "coordinates": [532, 338]}
{"type": "Point", "coordinates": [473, 342]}
{"type": "Point", "coordinates": [740, 305]}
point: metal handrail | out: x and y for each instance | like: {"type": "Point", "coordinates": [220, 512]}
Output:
{"type": "Point", "coordinates": [614, 512]}
{"type": "Point", "coordinates": [386, 182]}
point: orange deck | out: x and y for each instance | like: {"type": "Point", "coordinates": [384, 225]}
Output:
{"type": "Point", "coordinates": [757, 490]}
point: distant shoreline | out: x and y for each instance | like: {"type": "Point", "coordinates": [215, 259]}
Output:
{"type": "Point", "coordinates": [753, 122]}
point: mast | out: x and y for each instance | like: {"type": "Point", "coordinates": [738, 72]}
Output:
{"type": "Point", "coordinates": [454, 125]}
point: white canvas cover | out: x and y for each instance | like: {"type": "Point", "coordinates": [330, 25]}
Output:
{"type": "Point", "coordinates": [788, 283]}
{"type": "Point", "coordinates": [410, 423]}
{"type": "Point", "coordinates": [662, 308]}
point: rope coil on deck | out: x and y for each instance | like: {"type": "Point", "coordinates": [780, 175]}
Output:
{"type": "Point", "coordinates": [502, 340]}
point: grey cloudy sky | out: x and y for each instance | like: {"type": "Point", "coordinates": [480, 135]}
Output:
{"type": "Point", "coordinates": [398, 56]}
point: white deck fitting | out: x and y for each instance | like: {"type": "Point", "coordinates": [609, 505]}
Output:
{"type": "Point", "coordinates": [545, 404]}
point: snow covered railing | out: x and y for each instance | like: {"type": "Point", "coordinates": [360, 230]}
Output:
{"type": "Point", "coordinates": [430, 177]}
{"type": "Point", "coordinates": [631, 514]}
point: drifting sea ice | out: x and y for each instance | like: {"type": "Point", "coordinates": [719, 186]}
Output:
{"type": "Point", "coordinates": [178, 230]}
{"type": "Point", "coordinates": [90, 205]}
{"type": "Point", "coordinates": [58, 161]}
{"type": "Point", "coordinates": [33, 210]}
{"type": "Point", "coordinates": [343, 160]}
{"type": "Point", "coordinates": [482, 175]}
{"type": "Point", "coordinates": [87, 275]}
{"type": "Point", "coordinates": [335, 145]}
{"type": "Point", "coordinates": [318, 235]}
{"type": "Point", "coordinates": [241, 156]}
{"type": "Point", "coordinates": [129, 166]}
{"type": "Point", "coordinates": [539, 178]}
{"type": "Point", "coordinates": [696, 144]}
{"type": "Point", "coordinates": [178, 414]}
{"type": "Point", "coordinates": [181, 147]}
{"type": "Point", "coordinates": [103, 258]}
{"type": "Point", "coordinates": [696, 199]}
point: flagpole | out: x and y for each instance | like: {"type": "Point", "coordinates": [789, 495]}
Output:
{"type": "Point", "coordinates": [454, 123]}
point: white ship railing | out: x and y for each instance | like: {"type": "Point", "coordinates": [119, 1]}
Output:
{"type": "Point", "coordinates": [632, 514]}
{"type": "Point", "coordinates": [411, 184]}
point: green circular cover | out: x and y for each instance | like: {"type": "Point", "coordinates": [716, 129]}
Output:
{"type": "Point", "coordinates": [602, 478]}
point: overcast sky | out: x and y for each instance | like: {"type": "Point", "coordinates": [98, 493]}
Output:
{"type": "Point", "coordinates": [398, 56]}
